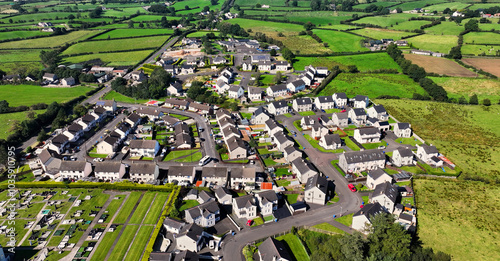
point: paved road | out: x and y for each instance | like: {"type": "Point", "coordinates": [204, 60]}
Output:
{"type": "Point", "coordinates": [152, 58]}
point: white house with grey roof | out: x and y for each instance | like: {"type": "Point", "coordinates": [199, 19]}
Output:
{"type": "Point", "coordinates": [291, 153]}
{"type": "Point", "coordinates": [317, 190]}
{"type": "Point", "coordinates": [181, 174]}
{"type": "Point", "coordinates": [174, 89]}
{"type": "Point", "coordinates": [429, 155]}
{"type": "Point", "coordinates": [318, 131]}
{"type": "Point", "coordinates": [279, 90]}
{"type": "Point", "coordinates": [145, 172]}
{"type": "Point", "coordinates": [367, 135]}
{"type": "Point", "coordinates": [254, 93]}
{"type": "Point", "coordinates": [224, 196]}
{"type": "Point", "coordinates": [222, 113]}
{"type": "Point", "coordinates": [229, 132]}
{"type": "Point", "coordinates": [192, 238]}
{"type": "Point", "coordinates": [278, 107]}
{"type": "Point", "coordinates": [303, 169]}
{"type": "Point", "coordinates": [260, 116]}
{"type": "Point", "coordinates": [109, 105]}
{"type": "Point", "coordinates": [357, 116]}
{"type": "Point", "coordinates": [296, 86]}
{"type": "Point", "coordinates": [324, 102]}
{"type": "Point", "coordinates": [173, 226]}
{"type": "Point", "coordinates": [386, 195]}
{"type": "Point", "coordinates": [221, 86]}
{"type": "Point", "coordinates": [75, 169]}
{"type": "Point", "coordinates": [74, 132]}
{"type": "Point", "coordinates": [268, 202]}
{"type": "Point", "coordinates": [144, 148]}
{"type": "Point", "coordinates": [235, 92]}
{"type": "Point", "coordinates": [360, 101]}
{"type": "Point", "coordinates": [215, 175]}
{"type": "Point", "coordinates": [307, 122]}
{"type": "Point", "coordinates": [204, 215]}
{"type": "Point", "coordinates": [302, 104]}
{"type": "Point", "coordinates": [340, 119]}
{"type": "Point", "coordinates": [358, 161]}
{"type": "Point", "coordinates": [402, 130]}
{"type": "Point", "coordinates": [271, 127]}
{"type": "Point", "coordinates": [361, 220]}
{"type": "Point", "coordinates": [378, 112]}
{"type": "Point", "coordinates": [204, 197]}
{"type": "Point", "coordinates": [273, 250]}
{"type": "Point", "coordinates": [242, 178]}
{"type": "Point", "coordinates": [282, 141]}
{"type": "Point", "coordinates": [376, 177]}
{"type": "Point", "coordinates": [236, 148]}
{"type": "Point", "coordinates": [340, 99]}
{"type": "Point", "coordinates": [245, 207]}
{"type": "Point", "coordinates": [330, 142]}
{"type": "Point", "coordinates": [109, 170]}
{"type": "Point", "coordinates": [402, 157]}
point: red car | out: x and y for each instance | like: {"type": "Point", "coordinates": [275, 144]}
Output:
{"type": "Point", "coordinates": [351, 187]}
{"type": "Point", "coordinates": [249, 222]}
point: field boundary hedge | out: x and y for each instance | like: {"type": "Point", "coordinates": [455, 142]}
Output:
{"type": "Point", "coordinates": [125, 185]}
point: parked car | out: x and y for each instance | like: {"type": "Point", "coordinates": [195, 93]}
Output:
{"type": "Point", "coordinates": [351, 187]}
{"type": "Point", "coordinates": [249, 222]}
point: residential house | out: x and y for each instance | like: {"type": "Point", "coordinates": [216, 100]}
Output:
{"type": "Point", "coordinates": [145, 172]}
{"type": "Point", "coordinates": [254, 93]}
{"type": "Point", "coordinates": [224, 196]}
{"type": "Point", "coordinates": [172, 225]}
{"type": "Point", "coordinates": [174, 89]}
{"type": "Point", "coordinates": [327, 122]}
{"type": "Point", "coordinates": [260, 116]}
{"type": "Point", "coordinates": [360, 101]}
{"type": "Point", "coordinates": [383, 126]}
{"type": "Point", "coordinates": [361, 220]}
{"type": "Point", "coordinates": [133, 120]}
{"type": "Point", "coordinates": [322, 71]}
{"type": "Point", "coordinates": [75, 169]}
{"type": "Point", "coordinates": [236, 148]}
{"type": "Point", "coordinates": [109, 105]}
{"type": "Point", "coordinates": [183, 139]}
{"type": "Point", "coordinates": [402, 157]}
{"type": "Point", "coordinates": [402, 130]}
{"type": "Point", "coordinates": [340, 99]}
{"type": "Point", "coordinates": [273, 250]}
{"type": "Point", "coordinates": [225, 122]}
{"type": "Point", "coordinates": [429, 155]}
{"type": "Point", "coordinates": [265, 66]}
{"type": "Point", "coordinates": [170, 121]}
{"type": "Point", "coordinates": [176, 103]}
{"type": "Point", "coordinates": [357, 116]}
{"type": "Point", "coordinates": [317, 190]}
{"type": "Point", "coordinates": [260, 58]}
{"type": "Point", "coordinates": [340, 119]}
{"type": "Point", "coordinates": [235, 92]}
{"type": "Point", "coordinates": [171, 68]}
{"type": "Point", "coordinates": [244, 207]}
{"type": "Point", "coordinates": [191, 238]}
{"type": "Point", "coordinates": [229, 132]}
{"type": "Point", "coordinates": [74, 132]}
{"type": "Point", "coordinates": [302, 104]}
{"type": "Point", "coordinates": [308, 79]}
{"type": "Point", "coordinates": [70, 81]}
{"type": "Point", "coordinates": [330, 141]}
{"type": "Point", "coordinates": [278, 107]}
{"type": "Point", "coordinates": [215, 175]}
{"type": "Point", "coordinates": [219, 60]}
{"type": "Point", "coordinates": [138, 76]}
{"type": "Point", "coordinates": [204, 196]}
{"type": "Point", "coordinates": [200, 108]}
{"type": "Point", "coordinates": [144, 148]}
{"type": "Point", "coordinates": [123, 129]}
{"type": "Point", "coordinates": [282, 141]}
{"type": "Point", "coordinates": [358, 161]}
{"type": "Point", "coordinates": [324, 102]}
{"type": "Point", "coordinates": [242, 178]}
{"type": "Point", "coordinates": [88, 121]}
{"type": "Point", "coordinates": [376, 177]}
{"type": "Point", "coordinates": [109, 170]}
{"type": "Point", "coordinates": [296, 86]}
{"type": "Point", "coordinates": [318, 131]}
{"type": "Point", "coordinates": [291, 153]}
{"type": "Point", "coordinates": [367, 135]}
{"type": "Point", "coordinates": [49, 77]}
{"type": "Point", "coordinates": [222, 113]}
{"type": "Point", "coordinates": [303, 169]}
{"type": "Point", "coordinates": [271, 127]}
{"type": "Point", "coordinates": [281, 66]}
{"type": "Point", "coordinates": [279, 90]}
{"type": "Point", "coordinates": [378, 112]}
{"type": "Point", "coordinates": [108, 146]}
{"type": "Point", "coordinates": [204, 215]}
{"type": "Point", "coordinates": [47, 162]}
{"type": "Point", "coordinates": [268, 202]}
{"type": "Point", "coordinates": [187, 69]}
{"type": "Point", "coordinates": [246, 66]}
{"type": "Point", "coordinates": [181, 174]}
{"type": "Point", "coordinates": [307, 122]}
{"type": "Point", "coordinates": [152, 113]}
{"type": "Point", "coordinates": [59, 143]}
{"type": "Point", "coordinates": [386, 195]}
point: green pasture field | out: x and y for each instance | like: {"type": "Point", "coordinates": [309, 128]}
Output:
{"type": "Point", "coordinates": [122, 33]}
{"type": "Point", "coordinates": [146, 18]}
{"type": "Point", "coordinates": [137, 248]}
{"type": "Point", "coordinates": [481, 38]}
{"type": "Point", "coordinates": [384, 4]}
{"type": "Point", "coordinates": [119, 251]}
{"type": "Point", "coordinates": [200, 34]}
{"type": "Point", "coordinates": [472, 49]}
{"type": "Point", "coordinates": [116, 45]}
{"type": "Point", "coordinates": [13, 67]}
{"type": "Point", "coordinates": [492, 26]}
{"type": "Point", "coordinates": [473, 148]}
{"type": "Point", "coordinates": [340, 41]}
{"type": "Point", "coordinates": [409, 25]}
{"type": "Point", "coordinates": [445, 28]}
{"type": "Point", "coordinates": [105, 245]}
{"type": "Point", "coordinates": [441, 7]}
{"type": "Point", "coordinates": [458, 86]}
{"type": "Point", "coordinates": [442, 204]}
{"type": "Point", "coordinates": [143, 207]}
{"type": "Point", "coordinates": [112, 59]}
{"type": "Point", "coordinates": [52, 41]}
{"type": "Point", "coordinates": [262, 2]}
{"type": "Point", "coordinates": [32, 94]}
{"type": "Point", "coordinates": [482, 6]}
{"type": "Point", "coordinates": [127, 207]}
{"type": "Point", "coordinates": [156, 208]}
{"type": "Point", "coordinates": [322, 18]}
{"type": "Point", "coordinates": [111, 26]}
{"type": "Point", "coordinates": [37, 17]}
{"type": "Point", "coordinates": [436, 43]}
{"type": "Point", "coordinates": [124, 11]}
{"type": "Point", "coordinates": [293, 242]}
{"type": "Point", "coordinates": [385, 20]}
{"type": "Point", "coordinates": [20, 34]}
{"type": "Point", "coordinates": [378, 34]}
{"type": "Point", "coordinates": [373, 85]}
{"type": "Point", "coordinates": [408, 6]}
{"type": "Point", "coordinates": [29, 55]}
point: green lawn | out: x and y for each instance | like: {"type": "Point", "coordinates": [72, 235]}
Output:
{"type": "Point", "coordinates": [266, 79]}
{"type": "Point", "coordinates": [186, 204]}
{"type": "Point", "coordinates": [282, 182]}
{"type": "Point", "coordinates": [119, 251]}
{"type": "Point", "coordinates": [469, 49]}
{"type": "Point", "coordinates": [113, 206]}
{"type": "Point", "coordinates": [180, 117]}
{"type": "Point", "coordinates": [151, 42]}
{"type": "Point", "coordinates": [349, 143]}
{"type": "Point", "coordinates": [142, 208]}
{"type": "Point", "coordinates": [32, 94]}
{"type": "Point", "coordinates": [375, 145]}
{"type": "Point", "coordinates": [385, 20]}
{"type": "Point", "coordinates": [328, 227]}
{"type": "Point", "coordinates": [307, 113]}
{"type": "Point", "coordinates": [137, 248]}
{"type": "Point", "coordinates": [441, 7]}
{"type": "Point", "coordinates": [156, 208]}
{"type": "Point", "coordinates": [291, 198]}
{"type": "Point", "coordinates": [446, 28]}
{"type": "Point", "coordinates": [9, 119]}
{"type": "Point", "coordinates": [246, 115]}
{"type": "Point", "coordinates": [48, 42]}
{"type": "Point", "coordinates": [364, 62]}
{"type": "Point", "coordinates": [269, 162]}
{"type": "Point", "coordinates": [280, 172]}
{"type": "Point", "coordinates": [297, 125]}
{"type": "Point", "coordinates": [410, 141]}
{"type": "Point", "coordinates": [195, 157]}
{"type": "Point", "coordinates": [334, 164]}
{"type": "Point", "coordinates": [340, 41]}
{"type": "Point", "coordinates": [293, 242]}
{"type": "Point", "coordinates": [410, 25]}
{"type": "Point", "coordinates": [315, 144]}
{"type": "Point", "coordinates": [127, 207]}
{"type": "Point", "coordinates": [178, 153]}
{"type": "Point", "coordinates": [257, 222]}
{"type": "Point", "coordinates": [346, 220]}
{"type": "Point", "coordinates": [105, 245]}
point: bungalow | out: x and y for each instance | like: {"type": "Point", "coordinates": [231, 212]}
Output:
{"type": "Point", "coordinates": [278, 107]}
{"type": "Point", "coordinates": [378, 112]}
{"type": "Point", "coordinates": [376, 177]}
{"type": "Point", "coordinates": [302, 104]}
{"type": "Point", "coordinates": [272, 128]}
{"type": "Point", "coordinates": [200, 108]}
{"type": "Point", "coordinates": [236, 148]}
{"type": "Point", "coordinates": [330, 142]}
{"type": "Point", "coordinates": [361, 220]}
{"type": "Point", "coordinates": [429, 155]}
{"type": "Point", "coordinates": [219, 60]}
{"type": "Point", "coordinates": [49, 77]}
{"type": "Point", "coordinates": [268, 202]}
{"type": "Point", "coordinates": [75, 169]}
{"type": "Point", "coordinates": [340, 99]}
{"type": "Point", "coordinates": [224, 196]}
{"type": "Point", "coordinates": [303, 169]}
{"type": "Point", "coordinates": [109, 170]}
{"type": "Point", "coordinates": [386, 195]}
{"type": "Point", "coordinates": [282, 141]}
{"type": "Point", "coordinates": [183, 140]}
{"type": "Point", "coordinates": [291, 153]}
{"type": "Point", "coordinates": [307, 122]}
{"type": "Point", "coordinates": [242, 178]}
{"type": "Point", "coordinates": [340, 119]}
{"type": "Point", "coordinates": [260, 116]}
{"type": "Point", "coordinates": [265, 66]}
{"type": "Point", "coordinates": [235, 92]}
{"type": "Point", "coordinates": [357, 116]}
{"type": "Point", "coordinates": [215, 175]}
{"type": "Point", "coordinates": [281, 66]}
{"type": "Point", "coordinates": [230, 132]}
{"type": "Point", "coordinates": [177, 103]}
{"type": "Point", "coordinates": [296, 86]}
{"type": "Point", "coordinates": [174, 89]}
{"type": "Point", "coordinates": [74, 132]}
{"type": "Point", "coordinates": [144, 148]}
{"type": "Point", "coordinates": [108, 145]}
{"type": "Point", "coordinates": [133, 120]}
{"type": "Point", "coordinates": [254, 93]}
{"type": "Point", "coordinates": [187, 69]}
{"type": "Point", "coordinates": [204, 215]}
{"type": "Point", "coordinates": [324, 102]}
{"type": "Point", "coordinates": [59, 143]}
{"type": "Point", "coordinates": [173, 226]}
{"type": "Point", "coordinates": [402, 157]}
{"type": "Point", "coordinates": [170, 121]}
{"type": "Point", "coordinates": [367, 135]}
{"type": "Point", "coordinates": [181, 174]}
{"type": "Point", "coordinates": [360, 101]}
{"type": "Point", "coordinates": [191, 238]}
{"type": "Point", "coordinates": [358, 161]}
{"type": "Point", "coordinates": [152, 113]}
{"type": "Point", "coordinates": [145, 172]}
{"type": "Point", "coordinates": [318, 131]}
{"type": "Point", "coordinates": [279, 90]}
{"type": "Point", "coordinates": [68, 81]}
{"type": "Point", "coordinates": [317, 190]}
{"type": "Point", "coordinates": [402, 130]}
{"type": "Point", "coordinates": [244, 207]}
{"type": "Point", "coordinates": [260, 58]}
{"type": "Point", "coordinates": [273, 250]}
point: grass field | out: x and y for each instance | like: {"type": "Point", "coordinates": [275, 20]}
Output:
{"type": "Point", "coordinates": [408, 6]}
{"type": "Point", "coordinates": [139, 244]}
{"type": "Point", "coordinates": [472, 49]}
{"type": "Point", "coordinates": [293, 242]}
{"type": "Point", "coordinates": [440, 65]}
{"type": "Point", "coordinates": [364, 62]}
{"type": "Point", "coordinates": [116, 45]}
{"type": "Point", "coordinates": [127, 207]}
{"type": "Point", "coordinates": [142, 208]}
{"type": "Point", "coordinates": [327, 227]}
{"type": "Point", "coordinates": [319, 18]}
{"type": "Point", "coordinates": [195, 157]}
{"type": "Point", "coordinates": [8, 119]}
{"type": "Point", "coordinates": [455, 217]}
{"type": "Point", "coordinates": [488, 65]}
{"type": "Point", "coordinates": [21, 34]}
{"type": "Point", "coordinates": [484, 88]}
{"type": "Point", "coordinates": [121, 33]}
{"type": "Point", "coordinates": [37, 17]}
{"type": "Point", "coordinates": [146, 18]}
{"type": "Point", "coordinates": [32, 94]}
{"type": "Point", "coordinates": [32, 55]}
{"type": "Point", "coordinates": [119, 251]}
{"type": "Point", "coordinates": [436, 43]}
{"type": "Point", "coordinates": [473, 148]}
{"type": "Point", "coordinates": [156, 208]}
{"type": "Point", "coordinates": [178, 153]}
{"type": "Point", "coordinates": [409, 25]}
{"type": "Point", "coordinates": [377, 33]}
{"type": "Point", "coordinates": [105, 245]}
{"type": "Point", "coordinates": [52, 41]}
{"type": "Point", "coordinates": [481, 38]}
{"type": "Point", "coordinates": [112, 59]}
{"type": "Point", "coordinates": [441, 7]}
{"type": "Point", "coordinates": [340, 41]}
{"type": "Point", "coordinates": [445, 28]}
{"type": "Point", "coordinates": [385, 20]}
{"type": "Point", "coordinates": [373, 85]}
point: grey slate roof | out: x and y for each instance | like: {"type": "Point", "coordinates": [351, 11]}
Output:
{"type": "Point", "coordinates": [298, 83]}
{"type": "Point", "coordinates": [278, 88]}
{"type": "Point", "coordinates": [192, 231]}
{"type": "Point", "coordinates": [173, 223]}
{"type": "Point", "coordinates": [142, 168]}
{"type": "Point", "coordinates": [271, 124]}
{"type": "Point", "coordinates": [220, 172]}
{"type": "Point", "coordinates": [403, 125]}
{"type": "Point", "coordinates": [342, 115]}
{"type": "Point", "coordinates": [281, 138]}
{"type": "Point", "coordinates": [272, 249]}
{"type": "Point", "coordinates": [183, 171]}
{"type": "Point", "coordinates": [360, 97]}
{"type": "Point", "coordinates": [254, 90]}
{"type": "Point", "coordinates": [111, 140]}
{"type": "Point", "coordinates": [220, 192]}
{"type": "Point", "coordinates": [317, 181]}
{"type": "Point", "coordinates": [364, 156]}
{"type": "Point", "coordinates": [388, 189]}
{"type": "Point", "coordinates": [291, 149]}
{"type": "Point", "coordinates": [72, 165]}
{"type": "Point", "coordinates": [359, 111]}
{"type": "Point", "coordinates": [302, 165]}
{"type": "Point", "coordinates": [340, 95]}
{"type": "Point", "coordinates": [429, 149]}
{"type": "Point", "coordinates": [134, 117]}
{"type": "Point", "coordinates": [279, 104]}
{"type": "Point", "coordinates": [304, 101]}
{"type": "Point", "coordinates": [107, 166]}
{"type": "Point", "coordinates": [404, 152]}
{"type": "Point", "coordinates": [243, 173]}
{"type": "Point", "coordinates": [60, 139]}
{"type": "Point", "coordinates": [269, 195]}
{"type": "Point", "coordinates": [379, 108]}
{"type": "Point", "coordinates": [234, 88]}
{"type": "Point", "coordinates": [230, 129]}
{"type": "Point", "coordinates": [369, 131]}
{"type": "Point", "coordinates": [377, 173]}
{"type": "Point", "coordinates": [244, 201]}
{"type": "Point", "coordinates": [370, 210]}
{"type": "Point", "coordinates": [234, 143]}
{"type": "Point", "coordinates": [201, 210]}
{"type": "Point", "coordinates": [325, 99]}
{"type": "Point", "coordinates": [332, 139]}
{"type": "Point", "coordinates": [143, 144]}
